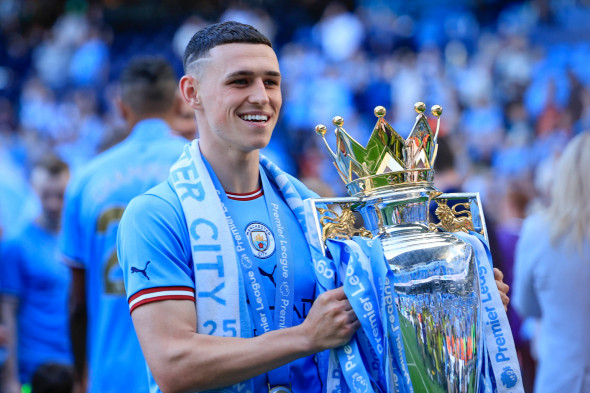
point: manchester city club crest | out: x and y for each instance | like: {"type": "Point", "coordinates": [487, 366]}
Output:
{"type": "Point", "coordinates": [261, 239]}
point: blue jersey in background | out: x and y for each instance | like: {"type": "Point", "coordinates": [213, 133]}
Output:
{"type": "Point", "coordinates": [31, 272]}
{"type": "Point", "coordinates": [95, 201]}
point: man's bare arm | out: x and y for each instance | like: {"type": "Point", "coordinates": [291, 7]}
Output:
{"type": "Point", "coordinates": [78, 326]}
{"type": "Point", "coordinates": [182, 360]}
{"type": "Point", "coordinates": [11, 383]}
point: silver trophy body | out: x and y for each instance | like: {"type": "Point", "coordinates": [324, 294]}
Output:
{"type": "Point", "coordinates": [435, 272]}
{"type": "Point", "coordinates": [435, 282]}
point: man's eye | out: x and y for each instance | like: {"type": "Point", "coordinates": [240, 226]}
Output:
{"type": "Point", "coordinates": [271, 82]}
{"type": "Point", "coordinates": [240, 82]}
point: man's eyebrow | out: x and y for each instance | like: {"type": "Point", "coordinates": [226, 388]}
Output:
{"type": "Point", "coordinates": [250, 73]}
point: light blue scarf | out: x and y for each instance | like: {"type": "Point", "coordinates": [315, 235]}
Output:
{"type": "Point", "coordinates": [220, 294]}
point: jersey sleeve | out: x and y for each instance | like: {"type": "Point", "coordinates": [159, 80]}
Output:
{"type": "Point", "coordinates": [11, 280]}
{"type": "Point", "coordinates": [70, 239]}
{"type": "Point", "coordinates": [154, 252]}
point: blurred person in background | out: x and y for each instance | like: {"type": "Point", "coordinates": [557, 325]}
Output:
{"type": "Point", "coordinates": [34, 283]}
{"type": "Point", "coordinates": [53, 378]}
{"type": "Point", "coordinates": [552, 275]}
{"type": "Point", "coordinates": [512, 211]}
{"type": "Point", "coordinates": [96, 200]}
{"type": "Point", "coordinates": [183, 123]}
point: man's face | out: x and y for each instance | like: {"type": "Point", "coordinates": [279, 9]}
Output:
{"type": "Point", "coordinates": [51, 189]}
{"type": "Point", "coordinates": [240, 97]}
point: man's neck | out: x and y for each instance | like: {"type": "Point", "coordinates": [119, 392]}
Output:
{"type": "Point", "coordinates": [48, 224]}
{"type": "Point", "coordinates": [237, 173]}
{"type": "Point", "coordinates": [447, 180]}
{"type": "Point", "coordinates": [133, 120]}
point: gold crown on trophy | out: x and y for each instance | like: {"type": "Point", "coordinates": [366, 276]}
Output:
{"type": "Point", "coordinates": [388, 160]}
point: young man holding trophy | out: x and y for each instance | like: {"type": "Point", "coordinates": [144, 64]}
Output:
{"type": "Point", "coordinates": [221, 263]}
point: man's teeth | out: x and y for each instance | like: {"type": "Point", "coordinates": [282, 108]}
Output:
{"type": "Point", "coordinates": [255, 117]}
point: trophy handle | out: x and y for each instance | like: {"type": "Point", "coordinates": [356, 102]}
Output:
{"type": "Point", "coordinates": [331, 218]}
{"type": "Point", "coordinates": [470, 217]}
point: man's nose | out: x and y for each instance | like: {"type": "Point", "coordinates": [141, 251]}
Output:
{"type": "Point", "coordinates": [258, 94]}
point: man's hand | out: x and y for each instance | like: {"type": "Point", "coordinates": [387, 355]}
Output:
{"type": "Point", "coordinates": [4, 335]}
{"type": "Point", "coordinates": [502, 287]}
{"type": "Point", "coordinates": [331, 321]}
{"type": "Point", "coordinates": [12, 385]}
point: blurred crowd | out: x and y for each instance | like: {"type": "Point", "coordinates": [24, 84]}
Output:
{"type": "Point", "coordinates": [512, 78]}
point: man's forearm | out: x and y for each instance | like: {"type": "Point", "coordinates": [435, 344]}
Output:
{"type": "Point", "coordinates": [78, 326]}
{"type": "Point", "coordinates": [78, 322]}
{"type": "Point", "coordinates": [182, 360]}
{"type": "Point", "coordinates": [10, 379]}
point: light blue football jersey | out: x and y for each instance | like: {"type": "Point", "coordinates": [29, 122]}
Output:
{"type": "Point", "coordinates": [154, 229]}
{"type": "Point", "coordinates": [30, 270]}
{"type": "Point", "coordinates": [95, 201]}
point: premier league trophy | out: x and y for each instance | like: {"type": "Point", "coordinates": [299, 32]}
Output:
{"type": "Point", "coordinates": [440, 290]}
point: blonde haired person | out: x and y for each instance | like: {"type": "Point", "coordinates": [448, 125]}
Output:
{"type": "Point", "coordinates": [552, 275]}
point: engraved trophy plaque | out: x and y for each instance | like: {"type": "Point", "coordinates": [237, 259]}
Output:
{"type": "Point", "coordinates": [435, 275]}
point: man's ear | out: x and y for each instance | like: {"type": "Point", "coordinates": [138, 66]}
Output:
{"type": "Point", "coordinates": [189, 91]}
{"type": "Point", "coordinates": [124, 109]}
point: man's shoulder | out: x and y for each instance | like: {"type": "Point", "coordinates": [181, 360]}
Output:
{"type": "Point", "coordinates": [127, 167]}
{"type": "Point", "coordinates": [536, 224]}
{"type": "Point", "coordinates": [124, 154]}
{"type": "Point", "coordinates": [164, 192]}
{"type": "Point", "coordinates": [162, 197]}
{"type": "Point", "coordinates": [155, 216]}
{"type": "Point", "coordinates": [24, 232]}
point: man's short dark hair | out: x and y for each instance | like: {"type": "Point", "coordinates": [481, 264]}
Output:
{"type": "Point", "coordinates": [52, 164]}
{"type": "Point", "coordinates": [219, 34]}
{"type": "Point", "coordinates": [445, 157]}
{"type": "Point", "coordinates": [53, 378]}
{"type": "Point", "coordinates": [148, 85]}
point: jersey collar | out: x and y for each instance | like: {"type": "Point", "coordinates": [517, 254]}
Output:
{"type": "Point", "coordinates": [151, 129]}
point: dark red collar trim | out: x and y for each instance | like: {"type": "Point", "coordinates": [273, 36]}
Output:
{"type": "Point", "coordinates": [246, 197]}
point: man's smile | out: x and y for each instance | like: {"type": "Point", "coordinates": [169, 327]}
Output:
{"type": "Point", "coordinates": [254, 118]}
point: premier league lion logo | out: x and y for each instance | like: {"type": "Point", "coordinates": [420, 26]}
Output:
{"type": "Point", "coordinates": [285, 289]}
{"type": "Point", "coordinates": [509, 377]}
{"type": "Point", "coordinates": [359, 385]}
{"type": "Point", "coordinates": [246, 262]}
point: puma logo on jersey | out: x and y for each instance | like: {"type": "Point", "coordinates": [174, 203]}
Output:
{"type": "Point", "coordinates": [269, 275]}
{"type": "Point", "coordinates": [142, 271]}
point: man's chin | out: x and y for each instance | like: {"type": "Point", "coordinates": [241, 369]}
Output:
{"type": "Point", "coordinates": [260, 144]}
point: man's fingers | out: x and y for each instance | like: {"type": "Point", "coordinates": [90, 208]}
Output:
{"type": "Point", "coordinates": [347, 305]}
{"type": "Point", "coordinates": [505, 301]}
{"type": "Point", "coordinates": [339, 293]}
{"type": "Point", "coordinates": [352, 316]}
{"type": "Point", "coordinates": [502, 286]}
{"type": "Point", "coordinates": [498, 275]}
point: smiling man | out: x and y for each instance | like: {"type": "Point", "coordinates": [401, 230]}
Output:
{"type": "Point", "coordinates": [228, 299]}
{"type": "Point", "coordinates": [220, 235]}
